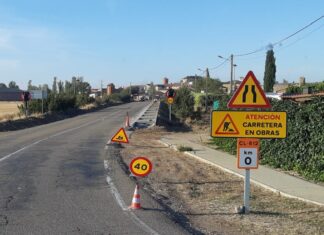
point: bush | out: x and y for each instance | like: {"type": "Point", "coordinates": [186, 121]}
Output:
{"type": "Point", "coordinates": [222, 98]}
{"type": "Point", "coordinates": [61, 102]}
{"type": "Point", "coordinates": [184, 102]}
{"type": "Point", "coordinates": [303, 149]}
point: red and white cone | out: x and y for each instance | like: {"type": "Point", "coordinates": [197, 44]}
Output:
{"type": "Point", "coordinates": [136, 202]}
{"type": "Point", "coordinates": [127, 124]}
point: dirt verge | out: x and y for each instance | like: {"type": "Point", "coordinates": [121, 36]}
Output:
{"type": "Point", "coordinates": [207, 196]}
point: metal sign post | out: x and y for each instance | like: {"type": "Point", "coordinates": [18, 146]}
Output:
{"type": "Point", "coordinates": [247, 191]}
{"type": "Point", "coordinates": [170, 112]}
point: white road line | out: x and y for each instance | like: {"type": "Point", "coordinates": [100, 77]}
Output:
{"type": "Point", "coordinates": [122, 204]}
{"type": "Point", "coordinates": [116, 194]}
{"type": "Point", "coordinates": [106, 164]}
{"type": "Point", "coordinates": [52, 136]}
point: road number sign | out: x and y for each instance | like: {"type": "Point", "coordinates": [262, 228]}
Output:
{"type": "Point", "coordinates": [248, 153]}
{"type": "Point", "coordinates": [249, 94]}
{"type": "Point", "coordinates": [250, 124]}
{"type": "Point", "coordinates": [140, 166]}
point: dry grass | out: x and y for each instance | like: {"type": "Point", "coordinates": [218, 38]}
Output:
{"type": "Point", "coordinates": [208, 196]}
{"type": "Point", "coordinates": [9, 110]}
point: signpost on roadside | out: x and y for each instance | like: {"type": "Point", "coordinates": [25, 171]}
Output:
{"type": "Point", "coordinates": [251, 125]}
{"type": "Point", "coordinates": [120, 137]}
{"type": "Point", "coordinates": [170, 94]}
{"type": "Point", "coordinates": [140, 166]}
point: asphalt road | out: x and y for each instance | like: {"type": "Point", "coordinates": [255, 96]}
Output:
{"type": "Point", "coordinates": [59, 179]}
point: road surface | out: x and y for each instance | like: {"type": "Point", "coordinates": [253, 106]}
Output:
{"type": "Point", "coordinates": [59, 179]}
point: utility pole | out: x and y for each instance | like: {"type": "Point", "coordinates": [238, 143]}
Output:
{"type": "Point", "coordinates": [195, 82]}
{"type": "Point", "coordinates": [101, 89]}
{"type": "Point", "coordinates": [231, 84]}
{"type": "Point", "coordinates": [232, 65]}
{"type": "Point", "coordinates": [207, 75]}
{"type": "Point", "coordinates": [206, 96]}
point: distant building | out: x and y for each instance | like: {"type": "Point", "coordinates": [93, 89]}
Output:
{"type": "Point", "coordinates": [10, 94]}
{"type": "Point", "coordinates": [110, 89]}
{"type": "Point", "coordinates": [226, 86]}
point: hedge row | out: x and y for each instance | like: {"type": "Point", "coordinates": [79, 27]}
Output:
{"type": "Point", "coordinates": [303, 149]}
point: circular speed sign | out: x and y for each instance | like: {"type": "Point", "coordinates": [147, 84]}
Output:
{"type": "Point", "coordinates": [140, 166]}
{"type": "Point", "coordinates": [170, 100]}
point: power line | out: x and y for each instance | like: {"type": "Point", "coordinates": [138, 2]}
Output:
{"type": "Point", "coordinates": [282, 40]}
{"type": "Point", "coordinates": [219, 65]}
{"type": "Point", "coordinates": [297, 40]}
{"type": "Point", "coordinates": [305, 27]}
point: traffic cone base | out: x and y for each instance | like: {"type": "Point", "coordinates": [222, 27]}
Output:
{"type": "Point", "coordinates": [136, 201]}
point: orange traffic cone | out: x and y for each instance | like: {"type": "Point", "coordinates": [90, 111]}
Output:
{"type": "Point", "coordinates": [136, 202]}
{"type": "Point", "coordinates": [127, 121]}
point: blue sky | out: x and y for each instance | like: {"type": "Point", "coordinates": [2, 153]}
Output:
{"type": "Point", "coordinates": [139, 41]}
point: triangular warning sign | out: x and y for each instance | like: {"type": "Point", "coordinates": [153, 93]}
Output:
{"type": "Point", "coordinates": [120, 136]}
{"type": "Point", "coordinates": [227, 126]}
{"type": "Point", "coordinates": [249, 94]}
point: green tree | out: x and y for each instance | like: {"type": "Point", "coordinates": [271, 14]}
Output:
{"type": "Point", "coordinates": [269, 72]}
{"type": "Point", "coordinates": [319, 86]}
{"type": "Point", "coordinates": [2, 85]}
{"type": "Point", "coordinates": [54, 87]}
{"type": "Point", "coordinates": [60, 86]}
{"type": "Point", "coordinates": [30, 86]}
{"type": "Point", "coordinates": [214, 85]}
{"type": "Point", "coordinates": [68, 88]}
{"type": "Point", "coordinates": [184, 103]}
{"type": "Point", "coordinates": [13, 84]}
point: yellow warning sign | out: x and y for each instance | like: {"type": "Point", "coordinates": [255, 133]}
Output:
{"type": "Point", "coordinates": [252, 124]}
{"type": "Point", "coordinates": [227, 126]}
{"type": "Point", "coordinates": [120, 136]}
{"type": "Point", "coordinates": [249, 94]}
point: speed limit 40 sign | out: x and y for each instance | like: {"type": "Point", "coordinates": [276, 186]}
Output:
{"type": "Point", "coordinates": [248, 153]}
{"type": "Point", "coordinates": [140, 166]}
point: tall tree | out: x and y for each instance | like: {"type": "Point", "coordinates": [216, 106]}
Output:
{"type": "Point", "coordinates": [68, 88]}
{"type": "Point", "coordinates": [270, 72]}
{"type": "Point", "coordinates": [54, 87]}
{"type": "Point", "coordinates": [60, 87]}
{"type": "Point", "coordinates": [29, 85]}
{"type": "Point", "coordinates": [207, 73]}
{"type": "Point", "coordinates": [13, 84]}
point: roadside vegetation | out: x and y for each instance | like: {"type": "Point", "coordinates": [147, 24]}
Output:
{"type": "Point", "coordinates": [64, 100]}
{"type": "Point", "coordinates": [71, 96]}
{"type": "Point", "coordinates": [301, 152]}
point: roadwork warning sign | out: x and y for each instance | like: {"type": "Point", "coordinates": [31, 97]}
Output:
{"type": "Point", "coordinates": [120, 137]}
{"type": "Point", "coordinates": [227, 126]}
{"type": "Point", "coordinates": [252, 124]}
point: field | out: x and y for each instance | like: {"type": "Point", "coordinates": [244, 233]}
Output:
{"type": "Point", "coordinates": [8, 109]}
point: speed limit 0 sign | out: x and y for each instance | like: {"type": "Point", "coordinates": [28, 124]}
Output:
{"type": "Point", "coordinates": [247, 153]}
